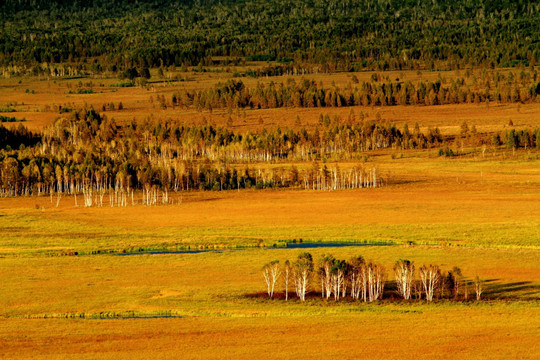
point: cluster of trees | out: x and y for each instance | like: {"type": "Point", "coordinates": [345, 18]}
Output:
{"type": "Point", "coordinates": [366, 281]}
{"type": "Point", "coordinates": [510, 138]}
{"type": "Point", "coordinates": [89, 154]}
{"type": "Point", "coordinates": [335, 35]}
{"type": "Point", "coordinates": [132, 73]}
{"type": "Point", "coordinates": [85, 152]}
{"type": "Point", "coordinates": [275, 70]}
{"type": "Point", "coordinates": [513, 139]}
{"type": "Point", "coordinates": [9, 119]}
{"type": "Point", "coordinates": [17, 138]}
{"type": "Point", "coordinates": [306, 93]}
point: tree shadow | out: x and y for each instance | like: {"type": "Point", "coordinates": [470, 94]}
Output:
{"type": "Point", "coordinates": [511, 290]}
{"type": "Point", "coordinates": [493, 289]}
{"type": "Point", "coordinates": [404, 181]}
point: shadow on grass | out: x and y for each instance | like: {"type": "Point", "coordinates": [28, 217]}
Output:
{"type": "Point", "coordinates": [511, 290]}
{"type": "Point", "coordinates": [493, 290]}
{"type": "Point", "coordinates": [405, 181]}
{"type": "Point", "coordinates": [201, 199]}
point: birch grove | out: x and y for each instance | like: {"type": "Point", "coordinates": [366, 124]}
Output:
{"type": "Point", "coordinates": [86, 153]}
{"type": "Point", "coordinates": [271, 272]}
{"type": "Point", "coordinates": [404, 272]}
{"type": "Point", "coordinates": [360, 280]}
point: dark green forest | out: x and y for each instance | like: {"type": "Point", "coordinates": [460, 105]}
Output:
{"type": "Point", "coordinates": [338, 35]}
{"type": "Point", "coordinates": [489, 87]}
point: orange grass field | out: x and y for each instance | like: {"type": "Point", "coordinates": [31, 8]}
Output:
{"type": "Point", "coordinates": [480, 212]}
{"type": "Point", "coordinates": [219, 321]}
{"type": "Point", "coordinates": [37, 101]}
{"type": "Point", "coordinates": [496, 214]}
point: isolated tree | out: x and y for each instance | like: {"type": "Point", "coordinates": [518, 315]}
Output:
{"type": "Point", "coordinates": [325, 273]}
{"type": "Point", "coordinates": [478, 287]}
{"type": "Point", "coordinates": [430, 276]}
{"type": "Point", "coordinates": [302, 269]}
{"type": "Point", "coordinates": [286, 275]}
{"type": "Point", "coordinates": [355, 275]}
{"type": "Point", "coordinates": [404, 272]}
{"type": "Point", "coordinates": [267, 279]}
{"type": "Point", "coordinates": [271, 274]}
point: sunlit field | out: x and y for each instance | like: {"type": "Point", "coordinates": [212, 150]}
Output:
{"type": "Point", "coordinates": [116, 282]}
{"type": "Point", "coordinates": [207, 303]}
{"type": "Point", "coordinates": [475, 202]}
{"type": "Point", "coordinates": [37, 101]}
{"type": "Point", "coordinates": [476, 213]}
{"type": "Point", "coordinates": [269, 179]}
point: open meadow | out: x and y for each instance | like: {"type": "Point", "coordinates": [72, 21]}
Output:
{"type": "Point", "coordinates": [481, 214]}
{"type": "Point", "coordinates": [149, 198]}
{"type": "Point", "coordinates": [200, 306]}
{"type": "Point", "coordinates": [84, 277]}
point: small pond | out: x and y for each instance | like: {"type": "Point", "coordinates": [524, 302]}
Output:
{"type": "Point", "coordinates": [287, 247]}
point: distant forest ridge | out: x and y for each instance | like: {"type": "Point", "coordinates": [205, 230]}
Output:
{"type": "Point", "coordinates": [340, 35]}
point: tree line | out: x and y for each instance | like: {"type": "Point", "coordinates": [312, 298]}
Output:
{"type": "Point", "coordinates": [84, 151]}
{"type": "Point", "coordinates": [9, 119]}
{"type": "Point", "coordinates": [362, 280]}
{"type": "Point", "coordinates": [89, 154]}
{"type": "Point", "coordinates": [307, 93]}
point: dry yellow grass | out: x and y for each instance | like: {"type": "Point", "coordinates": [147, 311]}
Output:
{"type": "Point", "coordinates": [473, 202]}
{"type": "Point", "coordinates": [41, 107]}
{"type": "Point", "coordinates": [466, 334]}
{"type": "Point", "coordinates": [489, 202]}
{"type": "Point", "coordinates": [220, 322]}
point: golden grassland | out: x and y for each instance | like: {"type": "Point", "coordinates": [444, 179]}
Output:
{"type": "Point", "coordinates": [219, 283]}
{"type": "Point", "coordinates": [430, 200]}
{"type": "Point", "coordinates": [446, 334]}
{"type": "Point", "coordinates": [37, 101]}
{"type": "Point", "coordinates": [492, 206]}
{"type": "Point", "coordinates": [479, 211]}
{"type": "Point", "coordinates": [220, 322]}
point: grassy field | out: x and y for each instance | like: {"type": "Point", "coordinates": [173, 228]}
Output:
{"type": "Point", "coordinates": [211, 291]}
{"type": "Point", "coordinates": [479, 211]}
{"type": "Point", "coordinates": [440, 334]}
{"type": "Point", "coordinates": [492, 208]}
{"type": "Point", "coordinates": [37, 100]}
{"type": "Point", "coordinates": [472, 202]}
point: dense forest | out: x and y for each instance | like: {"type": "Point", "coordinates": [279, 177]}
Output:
{"type": "Point", "coordinates": [339, 35]}
{"type": "Point", "coordinates": [496, 87]}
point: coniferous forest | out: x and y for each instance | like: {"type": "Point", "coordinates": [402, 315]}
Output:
{"type": "Point", "coordinates": [314, 35]}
